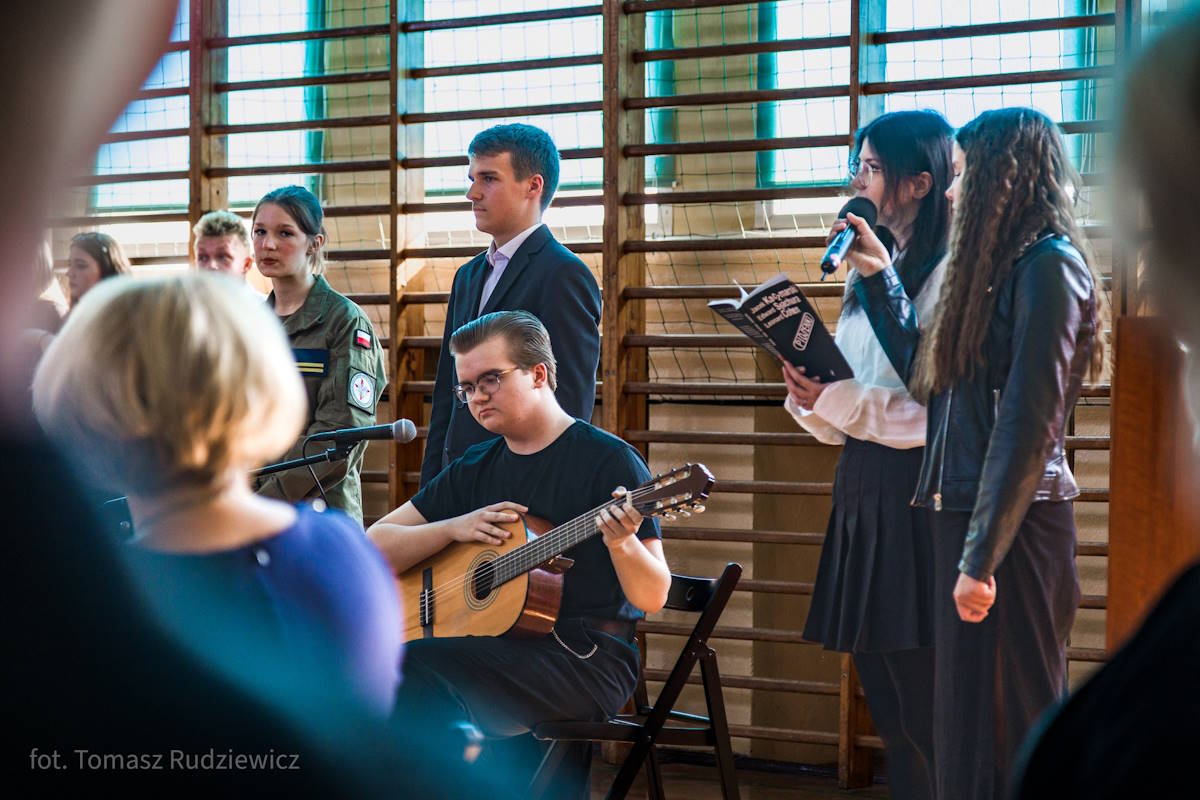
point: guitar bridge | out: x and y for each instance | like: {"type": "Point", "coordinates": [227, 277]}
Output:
{"type": "Point", "coordinates": [426, 603]}
{"type": "Point", "coordinates": [558, 565]}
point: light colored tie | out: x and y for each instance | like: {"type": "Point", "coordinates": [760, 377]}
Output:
{"type": "Point", "coordinates": [499, 262]}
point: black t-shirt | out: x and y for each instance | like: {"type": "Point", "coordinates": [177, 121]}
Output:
{"type": "Point", "coordinates": [575, 473]}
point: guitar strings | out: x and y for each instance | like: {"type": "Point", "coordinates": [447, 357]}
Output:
{"type": "Point", "coordinates": [539, 550]}
{"type": "Point", "coordinates": [540, 546]}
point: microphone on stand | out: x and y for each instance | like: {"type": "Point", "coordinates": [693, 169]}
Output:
{"type": "Point", "coordinates": [402, 431]}
{"type": "Point", "coordinates": [836, 252]}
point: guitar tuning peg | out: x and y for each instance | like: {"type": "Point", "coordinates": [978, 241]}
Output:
{"type": "Point", "coordinates": [684, 513]}
{"type": "Point", "coordinates": [670, 517]}
{"type": "Point", "coordinates": [697, 508]}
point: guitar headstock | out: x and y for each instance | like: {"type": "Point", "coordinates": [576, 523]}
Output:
{"type": "Point", "coordinates": [681, 491]}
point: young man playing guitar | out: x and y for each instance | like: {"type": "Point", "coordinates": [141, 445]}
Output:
{"type": "Point", "coordinates": [550, 466]}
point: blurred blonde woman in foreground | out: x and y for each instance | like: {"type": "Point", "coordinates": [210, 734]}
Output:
{"type": "Point", "coordinates": [175, 411]}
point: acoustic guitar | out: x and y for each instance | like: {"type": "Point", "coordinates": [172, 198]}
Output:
{"type": "Point", "coordinates": [515, 588]}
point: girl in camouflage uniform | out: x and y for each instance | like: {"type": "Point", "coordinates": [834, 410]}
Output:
{"type": "Point", "coordinates": [334, 343]}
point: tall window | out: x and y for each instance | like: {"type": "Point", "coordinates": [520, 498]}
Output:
{"type": "Point", "coordinates": [252, 62]}
{"type": "Point", "coordinates": [533, 87]}
{"type": "Point", "coordinates": [1064, 101]}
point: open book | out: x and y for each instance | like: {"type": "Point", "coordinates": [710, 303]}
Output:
{"type": "Point", "coordinates": [781, 320]}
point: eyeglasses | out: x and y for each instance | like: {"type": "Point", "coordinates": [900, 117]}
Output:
{"type": "Point", "coordinates": [488, 383]}
{"type": "Point", "coordinates": [864, 169]}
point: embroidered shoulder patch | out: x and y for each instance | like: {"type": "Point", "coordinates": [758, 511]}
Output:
{"type": "Point", "coordinates": [362, 391]}
{"type": "Point", "coordinates": [362, 339]}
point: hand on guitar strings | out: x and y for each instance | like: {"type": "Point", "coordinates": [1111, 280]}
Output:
{"type": "Point", "coordinates": [618, 522]}
{"type": "Point", "coordinates": [481, 525]}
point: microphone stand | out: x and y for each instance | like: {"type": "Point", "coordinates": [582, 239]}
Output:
{"type": "Point", "coordinates": [118, 508]}
{"type": "Point", "coordinates": [335, 453]}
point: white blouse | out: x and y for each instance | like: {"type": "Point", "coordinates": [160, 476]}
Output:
{"type": "Point", "coordinates": [874, 405]}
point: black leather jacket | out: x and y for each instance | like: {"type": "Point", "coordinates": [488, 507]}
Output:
{"type": "Point", "coordinates": [994, 441]}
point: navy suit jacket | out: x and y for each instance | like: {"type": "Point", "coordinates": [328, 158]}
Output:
{"type": "Point", "coordinates": [550, 282]}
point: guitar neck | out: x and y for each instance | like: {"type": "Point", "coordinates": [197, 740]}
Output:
{"type": "Point", "coordinates": [553, 543]}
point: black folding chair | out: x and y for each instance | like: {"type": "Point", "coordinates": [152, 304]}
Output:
{"type": "Point", "coordinates": [648, 726]}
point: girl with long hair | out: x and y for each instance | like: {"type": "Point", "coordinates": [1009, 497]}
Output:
{"type": "Point", "coordinates": [874, 587]}
{"type": "Point", "coordinates": [1018, 326]}
{"type": "Point", "coordinates": [94, 256]}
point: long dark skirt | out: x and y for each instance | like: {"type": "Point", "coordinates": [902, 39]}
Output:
{"type": "Point", "coordinates": [873, 598]}
{"type": "Point", "coordinates": [993, 679]}
{"type": "Point", "coordinates": [875, 578]}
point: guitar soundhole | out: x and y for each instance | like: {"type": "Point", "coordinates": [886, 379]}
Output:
{"type": "Point", "coordinates": [483, 581]}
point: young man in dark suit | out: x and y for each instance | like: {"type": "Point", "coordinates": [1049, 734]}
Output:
{"type": "Point", "coordinates": [513, 172]}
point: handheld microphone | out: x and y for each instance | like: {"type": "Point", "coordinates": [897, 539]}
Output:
{"type": "Point", "coordinates": [402, 431]}
{"type": "Point", "coordinates": [836, 252]}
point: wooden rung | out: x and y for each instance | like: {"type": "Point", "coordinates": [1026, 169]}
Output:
{"type": "Point", "coordinates": [728, 632]}
{"type": "Point", "coordinates": [421, 343]}
{"type": "Point", "coordinates": [794, 637]}
{"type": "Point", "coordinates": [1092, 654]}
{"type": "Point", "coordinates": [736, 535]}
{"type": "Point", "coordinates": [773, 586]}
{"type": "Point", "coordinates": [869, 742]}
{"type": "Point", "coordinates": [423, 298]}
{"type": "Point", "coordinates": [782, 734]}
{"type": "Point", "coordinates": [719, 291]}
{"type": "Point", "coordinates": [773, 438]}
{"type": "Point", "coordinates": [750, 682]}
{"type": "Point", "coordinates": [774, 487]}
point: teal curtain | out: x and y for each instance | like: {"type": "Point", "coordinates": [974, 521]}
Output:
{"type": "Point", "coordinates": [766, 77]}
{"type": "Point", "coordinates": [661, 123]}
{"type": "Point", "coordinates": [314, 96]}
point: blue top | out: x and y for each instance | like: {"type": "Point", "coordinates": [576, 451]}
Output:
{"type": "Point", "coordinates": [306, 617]}
{"type": "Point", "coordinates": [572, 475]}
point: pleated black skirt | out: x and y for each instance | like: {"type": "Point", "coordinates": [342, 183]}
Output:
{"type": "Point", "coordinates": [874, 584]}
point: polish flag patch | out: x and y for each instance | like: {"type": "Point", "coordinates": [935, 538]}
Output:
{"type": "Point", "coordinates": [362, 339]}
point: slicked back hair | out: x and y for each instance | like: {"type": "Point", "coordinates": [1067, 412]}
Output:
{"type": "Point", "coordinates": [527, 338]}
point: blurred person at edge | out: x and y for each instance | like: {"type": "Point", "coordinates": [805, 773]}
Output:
{"type": "Point", "coordinates": [1018, 325]}
{"type": "Point", "coordinates": [50, 307]}
{"type": "Point", "coordinates": [46, 317]}
{"type": "Point", "coordinates": [282, 599]}
{"type": "Point", "coordinates": [1131, 729]}
{"type": "Point", "coordinates": [94, 257]}
{"type": "Point", "coordinates": [95, 671]}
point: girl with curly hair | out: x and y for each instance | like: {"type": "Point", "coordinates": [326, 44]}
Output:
{"type": "Point", "coordinates": [1018, 325]}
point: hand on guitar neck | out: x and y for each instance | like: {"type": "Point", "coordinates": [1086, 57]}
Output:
{"type": "Point", "coordinates": [618, 522]}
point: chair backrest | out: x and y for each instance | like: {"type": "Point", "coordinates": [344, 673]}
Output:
{"type": "Point", "coordinates": [690, 594]}
{"type": "Point", "coordinates": [698, 595]}
{"type": "Point", "coordinates": [707, 596]}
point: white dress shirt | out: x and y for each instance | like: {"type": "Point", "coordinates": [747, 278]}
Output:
{"type": "Point", "coordinates": [499, 257]}
{"type": "Point", "coordinates": [874, 405]}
